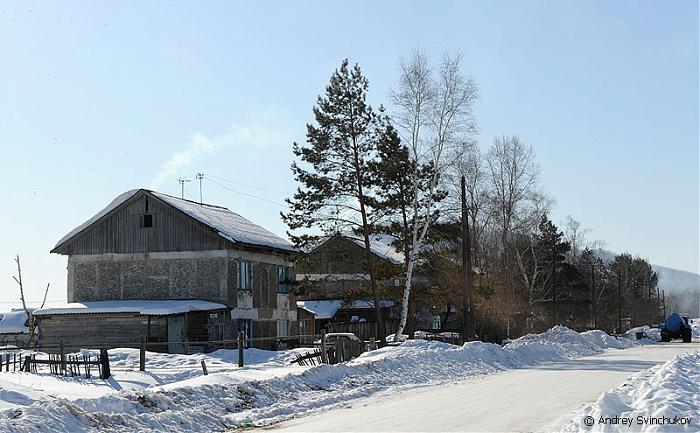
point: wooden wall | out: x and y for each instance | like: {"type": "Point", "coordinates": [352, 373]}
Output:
{"type": "Point", "coordinates": [122, 231]}
{"type": "Point", "coordinates": [89, 330]}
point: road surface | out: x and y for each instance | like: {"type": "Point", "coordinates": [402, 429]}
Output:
{"type": "Point", "coordinates": [524, 400]}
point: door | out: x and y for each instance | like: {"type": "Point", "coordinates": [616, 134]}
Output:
{"type": "Point", "coordinates": [176, 334]}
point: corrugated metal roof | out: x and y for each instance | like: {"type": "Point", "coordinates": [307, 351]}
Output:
{"type": "Point", "coordinates": [144, 307]}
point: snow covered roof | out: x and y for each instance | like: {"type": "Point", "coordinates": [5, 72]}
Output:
{"type": "Point", "coordinates": [147, 308]}
{"type": "Point", "coordinates": [227, 224]}
{"type": "Point", "coordinates": [326, 309]}
{"type": "Point", "coordinates": [378, 247]}
{"type": "Point", "coordinates": [14, 322]}
{"type": "Point", "coordinates": [321, 309]}
{"type": "Point", "coordinates": [111, 206]}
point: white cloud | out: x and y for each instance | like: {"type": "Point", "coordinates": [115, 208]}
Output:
{"type": "Point", "coordinates": [253, 135]}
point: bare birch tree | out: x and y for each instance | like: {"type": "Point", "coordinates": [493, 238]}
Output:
{"type": "Point", "coordinates": [28, 312]}
{"type": "Point", "coordinates": [513, 174]}
{"type": "Point", "coordinates": [575, 234]}
{"type": "Point", "coordinates": [434, 113]}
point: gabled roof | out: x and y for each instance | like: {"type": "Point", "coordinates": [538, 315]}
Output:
{"type": "Point", "coordinates": [227, 224]}
{"type": "Point", "coordinates": [326, 309]}
{"type": "Point", "coordinates": [378, 247]}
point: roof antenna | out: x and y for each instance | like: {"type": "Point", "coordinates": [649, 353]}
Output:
{"type": "Point", "coordinates": [182, 181]}
{"type": "Point", "coordinates": [200, 176]}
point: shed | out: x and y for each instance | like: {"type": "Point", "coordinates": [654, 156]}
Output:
{"type": "Point", "coordinates": [14, 327]}
{"type": "Point", "coordinates": [185, 325]}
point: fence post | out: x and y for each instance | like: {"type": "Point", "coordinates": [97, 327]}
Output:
{"type": "Point", "coordinates": [104, 362]}
{"type": "Point", "coordinates": [204, 368]}
{"type": "Point", "coordinates": [63, 356]}
{"type": "Point", "coordinates": [26, 366]}
{"type": "Point", "coordinates": [324, 351]}
{"type": "Point", "coordinates": [240, 348]}
{"type": "Point", "coordinates": [142, 355]}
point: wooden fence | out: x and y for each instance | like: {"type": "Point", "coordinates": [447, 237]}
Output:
{"type": "Point", "coordinates": [364, 330]}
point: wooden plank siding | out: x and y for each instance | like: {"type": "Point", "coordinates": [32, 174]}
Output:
{"type": "Point", "coordinates": [121, 231]}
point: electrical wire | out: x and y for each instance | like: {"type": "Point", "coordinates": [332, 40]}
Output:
{"type": "Point", "coordinates": [244, 193]}
{"type": "Point", "coordinates": [247, 185]}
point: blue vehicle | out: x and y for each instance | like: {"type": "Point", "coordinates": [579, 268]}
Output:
{"type": "Point", "coordinates": [676, 326]}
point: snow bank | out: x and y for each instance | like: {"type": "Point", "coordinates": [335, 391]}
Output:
{"type": "Point", "coordinates": [227, 399]}
{"type": "Point", "coordinates": [601, 339]}
{"type": "Point", "coordinates": [660, 399]}
{"type": "Point", "coordinates": [651, 335]}
{"type": "Point", "coordinates": [556, 344]}
{"type": "Point", "coordinates": [695, 326]}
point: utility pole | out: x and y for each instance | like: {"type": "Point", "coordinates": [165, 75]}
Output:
{"type": "Point", "coordinates": [554, 283]}
{"type": "Point", "coordinates": [466, 268]}
{"type": "Point", "coordinates": [663, 292]}
{"type": "Point", "coordinates": [619, 304]}
{"type": "Point", "coordinates": [182, 181]}
{"type": "Point", "coordinates": [200, 176]}
{"type": "Point", "coordinates": [593, 293]}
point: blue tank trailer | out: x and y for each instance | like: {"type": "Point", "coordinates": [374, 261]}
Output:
{"type": "Point", "coordinates": [676, 326]}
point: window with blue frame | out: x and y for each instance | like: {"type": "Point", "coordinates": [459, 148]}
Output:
{"type": "Point", "coordinates": [282, 279]}
{"type": "Point", "coordinates": [245, 275]}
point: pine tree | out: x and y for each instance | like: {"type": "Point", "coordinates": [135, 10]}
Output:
{"type": "Point", "coordinates": [394, 171]}
{"type": "Point", "coordinates": [552, 249]}
{"type": "Point", "coordinates": [335, 194]}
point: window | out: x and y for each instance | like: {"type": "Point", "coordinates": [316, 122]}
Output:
{"type": "Point", "coordinates": [282, 328]}
{"type": "Point", "coordinates": [148, 220]}
{"type": "Point", "coordinates": [245, 275]}
{"type": "Point", "coordinates": [282, 279]}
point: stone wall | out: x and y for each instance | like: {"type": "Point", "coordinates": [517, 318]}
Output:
{"type": "Point", "coordinates": [177, 275]}
{"type": "Point", "coordinates": [206, 275]}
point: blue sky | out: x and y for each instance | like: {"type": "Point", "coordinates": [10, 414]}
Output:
{"type": "Point", "coordinates": [99, 98]}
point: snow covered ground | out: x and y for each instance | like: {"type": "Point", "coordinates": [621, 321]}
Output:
{"type": "Point", "coordinates": [665, 398]}
{"type": "Point", "coordinates": [539, 398]}
{"type": "Point", "coordinates": [173, 394]}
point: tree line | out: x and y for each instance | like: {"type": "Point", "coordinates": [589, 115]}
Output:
{"type": "Point", "coordinates": [396, 173]}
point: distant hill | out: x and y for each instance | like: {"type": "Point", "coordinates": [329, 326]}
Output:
{"type": "Point", "coordinates": [682, 287]}
{"type": "Point", "coordinates": [673, 280]}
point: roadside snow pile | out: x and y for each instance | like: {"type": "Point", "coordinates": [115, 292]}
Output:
{"type": "Point", "coordinates": [556, 344]}
{"type": "Point", "coordinates": [649, 334]}
{"type": "Point", "coordinates": [226, 400]}
{"type": "Point", "coordinates": [695, 326]}
{"type": "Point", "coordinates": [601, 339]}
{"type": "Point", "coordinates": [664, 398]}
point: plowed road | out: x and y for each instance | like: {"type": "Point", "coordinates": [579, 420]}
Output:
{"type": "Point", "coordinates": [525, 400]}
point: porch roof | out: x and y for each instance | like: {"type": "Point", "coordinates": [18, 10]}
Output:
{"type": "Point", "coordinates": [164, 307]}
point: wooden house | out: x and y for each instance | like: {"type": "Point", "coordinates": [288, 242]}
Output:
{"type": "Point", "coordinates": [333, 290]}
{"type": "Point", "coordinates": [335, 269]}
{"type": "Point", "coordinates": [158, 267]}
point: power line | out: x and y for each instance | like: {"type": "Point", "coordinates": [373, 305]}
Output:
{"type": "Point", "coordinates": [244, 193]}
{"type": "Point", "coordinates": [248, 186]}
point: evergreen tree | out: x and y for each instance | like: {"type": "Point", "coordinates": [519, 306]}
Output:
{"type": "Point", "coordinates": [552, 249]}
{"type": "Point", "coordinates": [395, 172]}
{"type": "Point", "coordinates": [336, 185]}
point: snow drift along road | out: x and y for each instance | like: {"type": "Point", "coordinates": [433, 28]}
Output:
{"type": "Point", "coordinates": [658, 399]}
{"type": "Point", "coordinates": [224, 401]}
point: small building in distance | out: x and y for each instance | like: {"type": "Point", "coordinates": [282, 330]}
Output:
{"type": "Point", "coordinates": [158, 267]}
{"type": "Point", "coordinates": [14, 328]}
{"type": "Point", "coordinates": [333, 288]}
